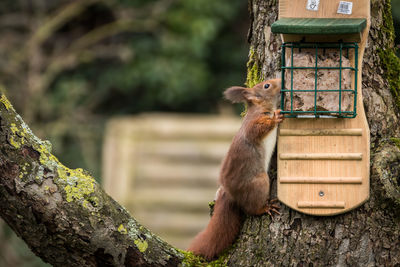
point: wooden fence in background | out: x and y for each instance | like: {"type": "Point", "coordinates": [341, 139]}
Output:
{"type": "Point", "coordinates": [164, 168]}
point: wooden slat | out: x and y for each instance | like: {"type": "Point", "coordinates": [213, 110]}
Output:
{"type": "Point", "coordinates": [179, 223]}
{"type": "Point", "coordinates": [156, 173]}
{"type": "Point", "coordinates": [321, 204]}
{"type": "Point", "coordinates": [167, 168]}
{"type": "Point", "coordinates": [185, 150]}
{"type": "Point", "coordinates": [327, 9]}
{"type": "Point", "coordinates": [320, 132]}
{"type": "Point", "coordinates": [320, 156]}
{"type": "Point", "coordinates": [320, 180]}
{"type": "Point", "coordinates": [173, 199]}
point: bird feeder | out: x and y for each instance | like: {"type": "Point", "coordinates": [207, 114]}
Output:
{"type": "Point", "coordinates": [323, 145]}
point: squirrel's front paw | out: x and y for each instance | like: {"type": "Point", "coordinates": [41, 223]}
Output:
{"type": "Point", "coordinates": [278, 117]}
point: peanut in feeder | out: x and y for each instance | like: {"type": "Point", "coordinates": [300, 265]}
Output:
{"type": "Point", "coordinates": [323, 146]}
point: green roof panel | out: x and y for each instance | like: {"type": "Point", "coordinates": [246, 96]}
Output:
{"type": "Point", "coordinates": [318, 26]}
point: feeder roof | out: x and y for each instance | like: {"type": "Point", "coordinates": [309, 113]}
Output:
{"type": "Point", "coordinates": [318, 25]}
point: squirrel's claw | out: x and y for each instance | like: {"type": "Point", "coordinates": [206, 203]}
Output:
{"type": "Point", "coordinates": [271, 207]}
{"type": "Point", "coordinates": [278, 116]}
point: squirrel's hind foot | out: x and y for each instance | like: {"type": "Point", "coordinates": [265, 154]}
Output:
{"type": "Point", "coordinates": [272, 207]}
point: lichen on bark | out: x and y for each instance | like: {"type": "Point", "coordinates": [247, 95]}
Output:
{"type": "Point", "coordinates": [63, 214]}
{"type": "Point", "coordinates": [77, 184]}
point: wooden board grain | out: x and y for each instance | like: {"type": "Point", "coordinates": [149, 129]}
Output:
{"type": "Point", "coordinates": [327, 9]}
{"type": "Point", "coordinates": [323, 164]}
{"type": "Point", "coordinates": [337, 165]}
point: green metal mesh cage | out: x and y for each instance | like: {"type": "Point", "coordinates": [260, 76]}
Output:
{"type": "Point", "coordinates": [296, 90]}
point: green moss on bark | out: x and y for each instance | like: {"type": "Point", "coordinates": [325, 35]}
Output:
{"type": "Point", "coordinates": [253, 70]}
{"type": "Point", "coordinates": [396, 141]}
{"type": "Point", "coordinates": [390, 61]}
{"type": "Point", "coordinates": [253, 74]}
{"type": "Point", "coordinates": [391, 65]}
{"type": "Point", "coordinates": [191, 260]}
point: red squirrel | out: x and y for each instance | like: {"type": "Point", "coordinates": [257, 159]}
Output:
{"type": "Point", "coordinates": [244, 182]}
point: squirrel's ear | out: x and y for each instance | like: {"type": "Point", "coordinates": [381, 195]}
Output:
{"type": "Point", "coordinates": [235, 94]}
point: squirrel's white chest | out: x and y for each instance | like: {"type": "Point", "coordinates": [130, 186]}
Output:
{"type": "Point", "coordinates": [269, 146]}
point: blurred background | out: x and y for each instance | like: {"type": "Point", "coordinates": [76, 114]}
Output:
{"type": "Point", "coordinates": [80, 72]}
{"type": "Point", "coordinates": [69, 67]}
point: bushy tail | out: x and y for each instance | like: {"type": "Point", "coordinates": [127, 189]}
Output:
{"type": "Point", "coordinates": [221, 231]}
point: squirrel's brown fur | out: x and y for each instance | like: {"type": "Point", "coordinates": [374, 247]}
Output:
{"type": "Point", "coordinates": [243, 178]}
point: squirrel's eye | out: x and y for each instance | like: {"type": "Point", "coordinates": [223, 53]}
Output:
{"type": "Point", "coordinates": [266, 86]}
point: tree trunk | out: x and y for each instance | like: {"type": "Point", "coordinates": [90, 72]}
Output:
{"type": "Point", "coordinates": [368, 235]}
{"type": "Point", "coordinates": [66, 219]}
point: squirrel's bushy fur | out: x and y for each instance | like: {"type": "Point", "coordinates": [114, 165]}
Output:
{"type": "Point", "coordinates": [244, 183]}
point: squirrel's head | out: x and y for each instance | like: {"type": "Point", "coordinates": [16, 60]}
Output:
{"type": "Point", "coordinates": [267, 91]}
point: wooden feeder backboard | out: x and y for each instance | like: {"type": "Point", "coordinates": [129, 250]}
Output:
{"type": "Point", "coordinates": [323, 164]}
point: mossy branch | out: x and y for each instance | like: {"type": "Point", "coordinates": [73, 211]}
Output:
{"type": "Point", "coordinates": [63, 214]}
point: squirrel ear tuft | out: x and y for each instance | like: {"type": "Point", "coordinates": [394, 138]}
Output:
{"type": "Point", "coordinates": [235, 94]}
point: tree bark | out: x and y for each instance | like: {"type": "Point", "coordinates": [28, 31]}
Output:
{"type": "Point", "coordinates": [66, 218]}
{"type": "Point", "coordinates": [62, 214]}
{"type": "Point", "coordinates": [368, 235]}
